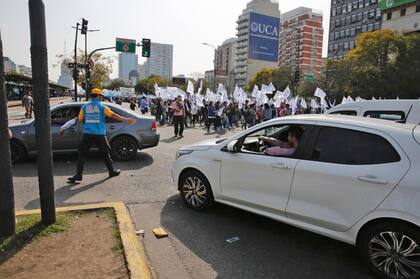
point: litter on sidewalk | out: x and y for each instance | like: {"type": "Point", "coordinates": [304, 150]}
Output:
{"type": "Point", "coordinates": [160, 232]}
{"type": "Point", "coordinates": [140, 232]}
{"type": "Point", "coordinates": [232, 239]}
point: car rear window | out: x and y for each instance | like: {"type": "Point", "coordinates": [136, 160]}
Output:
{"type": "Point", "coordinates": [345, 112]}
{"type": "Point", "coordinates": [351, 147]}
{"type": "Point", "coordinates": [385, 114]}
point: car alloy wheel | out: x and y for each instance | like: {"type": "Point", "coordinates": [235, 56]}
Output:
{"type": "Point", "coordinates": [395, 254]}
{"type": "Point", "coordinates": [194, 191]}
{"type": "Point", "coordinates": [124, 148]}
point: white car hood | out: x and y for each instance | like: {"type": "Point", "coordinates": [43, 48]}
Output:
{"type": "Point", "coordinates": [202, 145]}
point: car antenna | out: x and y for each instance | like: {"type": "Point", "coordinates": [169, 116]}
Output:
{"type": "Point", "coordinates": [408, 113]}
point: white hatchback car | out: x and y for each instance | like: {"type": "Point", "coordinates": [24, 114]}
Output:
{"type": "Point", "coordinates": [353, 179]}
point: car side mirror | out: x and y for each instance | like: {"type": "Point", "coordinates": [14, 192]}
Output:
{"type": "Point", "coordinates": [231, 147]}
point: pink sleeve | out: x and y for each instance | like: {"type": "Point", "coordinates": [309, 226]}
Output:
{"type": "Point", "coordinates": [276, 142]}
{"type": "Point", "coordinates": [279, 151]}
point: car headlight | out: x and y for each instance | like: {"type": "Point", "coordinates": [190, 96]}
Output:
{"type": "Point", "coordinates": [180, 153]}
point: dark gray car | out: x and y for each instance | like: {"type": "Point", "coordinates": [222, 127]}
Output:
{"type": "Point", "coordinates": [124, 139]}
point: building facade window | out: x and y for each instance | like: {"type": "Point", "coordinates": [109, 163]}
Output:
{"type": "Point", "coordinates": [418, 8]}
{"type": "Point", "coordinates": [403, 11]}
{"type": "Point", "coordinates": [389, 16]}
{"type": "Point", "coordinates": [354, 5]}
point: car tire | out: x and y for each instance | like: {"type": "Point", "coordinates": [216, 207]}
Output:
{"type": "Point", "coordinates": [17, 151]}
{"type": "Point", "coordinates": [391, 249]}
{"type": "Point", "coordinates": [124, 148]}
{"type": "Point", "coordinates": [195, 190]}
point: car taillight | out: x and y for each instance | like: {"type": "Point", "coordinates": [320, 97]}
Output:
{"type": "Point", "coordinates": [154, 125]}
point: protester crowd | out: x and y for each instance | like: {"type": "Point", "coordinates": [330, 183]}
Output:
{"type": "Point", "coordinates": [219, 116]}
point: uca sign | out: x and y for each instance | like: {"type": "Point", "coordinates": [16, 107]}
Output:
{"type": "Point", "coordinates": [263, 37]}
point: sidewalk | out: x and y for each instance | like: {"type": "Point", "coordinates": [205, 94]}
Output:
{"type": "Point", "coordinates": [11, 104]}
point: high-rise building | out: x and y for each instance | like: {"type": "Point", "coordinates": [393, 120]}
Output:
{"type": "Point", "coordinates": [127, 62]}
{"type": "Point", "coordinates": [225, 62]}
{"type": "Point", "coordinates": [160, 62]}
{"type": "Point", "coordinates": [350, 18]}
{"type": "Point", "coordinates": [225, 56]}
{"type": "Point", "coordinates": [401, 16]}
{"type": "Point", "coordinates": [142, 70]}
{"type": "Point", "coordinates": [65, 78]}
{"type": "Point", "coordinates": [9, 65]}
{"type": "Point", "coordinates": [301, 40]}
{"type": "Point", "coordinates": [257, 44]}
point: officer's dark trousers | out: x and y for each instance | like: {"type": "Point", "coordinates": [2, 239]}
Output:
{"type": "Point", "coordinates": [101, 143]}
{"type": "Point", "coordinates": [178, 124]}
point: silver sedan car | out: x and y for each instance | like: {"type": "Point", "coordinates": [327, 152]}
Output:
{"type": "Point", "coordinates": [124, 139]}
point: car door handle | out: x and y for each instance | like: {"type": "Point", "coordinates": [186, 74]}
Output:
{"type": "Point", "coordinates": [280, 166]}
{"type": "Point", "coordinates": [112, 127]}
{"type": "Point", "coordinates": [372, 179]}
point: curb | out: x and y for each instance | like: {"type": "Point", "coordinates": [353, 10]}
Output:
{"type": "Point", "coordinates": [134, 251]}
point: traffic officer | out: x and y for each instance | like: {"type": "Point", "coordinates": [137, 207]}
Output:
{"type": "Point", "coordinates": [92, 116]}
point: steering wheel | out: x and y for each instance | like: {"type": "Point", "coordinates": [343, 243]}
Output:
{"type": "Point", "coordinates": [261, 146]}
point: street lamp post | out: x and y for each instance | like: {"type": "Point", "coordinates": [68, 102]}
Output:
{"type": "Point", "coordinates": [214, 68]}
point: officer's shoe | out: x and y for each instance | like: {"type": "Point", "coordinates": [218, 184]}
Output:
{"type": "Point", "coordinates": [114, 173]}
{"type": "Point", "coordinates": [75, 178]}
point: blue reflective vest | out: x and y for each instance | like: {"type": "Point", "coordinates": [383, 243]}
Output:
{"type": "Point", "coordinates": [94, 118]}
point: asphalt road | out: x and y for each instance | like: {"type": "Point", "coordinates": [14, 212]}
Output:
{"type": "Point", "coordinates": [196, 246]}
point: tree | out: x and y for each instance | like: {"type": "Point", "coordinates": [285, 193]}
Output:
{"type": "Point", "coordinates": [263, 77]}
{"type": "Point", "coordinates": [384, 64]}
{"type": "Point", "coordinates": [99, 73]}
{"type": "Point", "coordinates": [117, 83]}
{"type": "Point", "coordinates": [148, 85]}
{"type": "Point", "coordinates": [280, 77]}
{"type": "Point", "coordinates": [11, 72]}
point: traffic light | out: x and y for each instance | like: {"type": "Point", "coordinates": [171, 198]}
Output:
{"type": "Point", "coordinates": [297, 76]}
{"type": "Point", "coordinates": [76, 74]}
{"type": "Point", "coordinates": [145, 50]}
{"type": "Point", "coordinates": [84, 26]}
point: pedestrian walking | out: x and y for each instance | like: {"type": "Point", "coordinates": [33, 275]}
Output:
{"type": "Point", "coordinates": [267, 113]}
{"type": "Point", "coordinates": [28, 104]}
{"type": "Point", "coordinates": [133, 103]}
{"type": "Point", "coordinates": [178, 109]}
{"type": "Point", "coordinates": [92, 116]}
{"type": "Point", "coordinates": [211, 116]}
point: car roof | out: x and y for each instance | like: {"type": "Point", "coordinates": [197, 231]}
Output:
{"type": "Point", "coordinates": [373, 123]}
{"type": "Point", "coordinates": [377, 104]}
{"type": "Point", "coordinates": [111, 105]}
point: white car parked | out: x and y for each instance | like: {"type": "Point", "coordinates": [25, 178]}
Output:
{"type": "Point", "coordinates": [401, 111]}
{"type": "Point", "coordinates": [353, 179]}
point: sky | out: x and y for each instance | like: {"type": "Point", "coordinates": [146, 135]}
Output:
{"type": "Point", "coordinates": [185, 24]}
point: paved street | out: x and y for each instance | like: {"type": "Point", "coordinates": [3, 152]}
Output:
{"type": "Point", "coordinates": [196, 247]}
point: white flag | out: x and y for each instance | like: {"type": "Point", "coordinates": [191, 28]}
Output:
{"type": "Point", "coordinates": [287, 93]}
{"type": "Point", "coordinates": [278, 95]}
{"type": "Point", "coordinates": [221, 88]}
{"type": "Point", "coordinates": [265, 89]}
{"type": "Point", "coordinates": [314, 104]}
{"type": "Point", "coordinates": [190, 87]}
{"type": "Point", "coordinates": [303, 103]}
{"type": "Point", "coordinates": [255, 91]}
{"type": "Point", "coordinates": [200, 88]}
{"type": "Point", "coordinates": [320, 93]}
{"type": "Point", "coordinates": [271, 87]}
